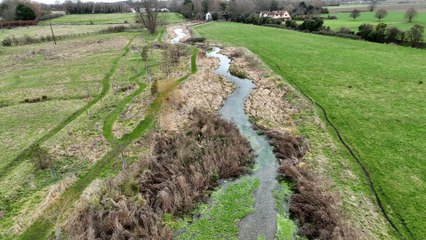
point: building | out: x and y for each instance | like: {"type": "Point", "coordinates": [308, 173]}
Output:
{"type": "Point", "coordinates": [276, 15]}
{"type": "Point", "coordinates": [209, 16]}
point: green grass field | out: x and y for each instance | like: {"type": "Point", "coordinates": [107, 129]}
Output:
{"type": "Point", "coordinates": [394, 19]}
{"type": "Point", "coordinates": [371, 92]}
{"type": "Point", "coordinates": [59, 30]}
{"type": "Point", "coordinates": [116, 18]}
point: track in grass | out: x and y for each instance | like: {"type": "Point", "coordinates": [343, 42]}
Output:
{"type": "Point", "coordinates": [105, 89]}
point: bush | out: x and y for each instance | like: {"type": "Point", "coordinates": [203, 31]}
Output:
{"type": "Point", "coordinates": [40, 157]}
{"type": "Point", "coordinates": [394, 35]}
{"type": "Point", "coordinates": [291, 24]}
{"type": "Point", "coordinates": [365, 31]}
{"type": "Point", "coordinates": [7, 42]}
{"type": "Point", "coordinates": [414, 36]}
{"type": "Point", "coordinates": [345, 30]}
{"type": "Point", "coordinates": [311, 25]}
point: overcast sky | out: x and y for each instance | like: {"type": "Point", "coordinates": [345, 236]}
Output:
{"type": "Point", "coordinates": [61, 1]}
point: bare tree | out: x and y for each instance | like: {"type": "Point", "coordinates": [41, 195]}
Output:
{"type": "Point", "coordinates": [410, 14]}
{"type": "Point", "coordinates": [148, 14]}
{"type": "Point", "coordinates": [373, 5]}
{"type": "Point", "coordinates": [355, 14]}
{"type": "Point", "coordinates": [380, 14]}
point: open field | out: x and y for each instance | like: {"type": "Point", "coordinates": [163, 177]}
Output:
{"type": "Point", "coordinates": [57, 98]}
{"type": "Point", "coordinates": [394, 19]}
{"type": "Point", "coordinates": [116, 18]}
{"type": "Point", "coordinates": [389, 6]}
{"type": "Point", "coordinates": [373, 93]}
{"type": "Point", "coordinates": [59, 30]}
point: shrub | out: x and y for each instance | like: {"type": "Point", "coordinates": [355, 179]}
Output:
{"type": "Point", "coordinates": [345, 30]}
{"type": "Point", "coordinates": [394, 35]}
{"type": "Point", "coordinates": [40, 157]}
{"type": "Point", "coordinates": [7, 42]}
{"type": "Point", "coordinates": [365, 31]}
{"type": "Point", "coordinates": [414, 36]}
{"type": "Point", "coordinates": [291, 24]}
{"type": "Point", "coordinates": [115, 29]}
{"type": "Point", "coordinates": [311, 25]}
{"type": "Point", "coordinates": [236, 71]}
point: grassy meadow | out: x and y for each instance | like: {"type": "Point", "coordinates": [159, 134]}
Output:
{"type": "Point", "coordinates": [98, 19]}
{"type": "Point", "coordinates": [57, 98]}
{"type": "Point", "coordinates": [75, 24]}
{"type": "Point", "coordinates": [394, 19]}
{"type": "Point", "coordinates": [373, 93]}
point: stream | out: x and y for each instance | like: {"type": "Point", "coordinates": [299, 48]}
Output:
{"type": "Point", "coordinates": [262, 222]}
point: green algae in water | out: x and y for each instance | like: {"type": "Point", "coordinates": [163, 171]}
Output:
{"type": "Point", "coordinates": [229, 206]}
{"type": "Point", "coordinates": [286, 228]}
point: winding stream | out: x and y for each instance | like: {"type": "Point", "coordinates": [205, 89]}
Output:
{"type": "Point", "coordinates": [262, 222]}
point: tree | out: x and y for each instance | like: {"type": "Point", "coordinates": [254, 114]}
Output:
{"type": "Point", "coordinates": [410, 14]}
{"type": "Point", "coordinates": [373, 4]}
{"type": "Point", "coordinates": [355, 14]}
{"type": "Point", "coordinates": [415, 35]}
{"type": "Point", "coordinates": [393, 34]}
{"type": "Point", "coordinates": [380, 14]}
{"type": "Point", "coordinates": [365, 31]}
{"type": "Point", "coordinates": [24, 12]}
{"type": "Point", "coordinates": [148, 14]}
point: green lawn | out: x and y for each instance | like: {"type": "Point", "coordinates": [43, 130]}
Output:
{"type": "Point", "coordinates": [116, 18]}
{"type": "Point", "coordinates": [372, 93]}
{"type": "Point", "coordinates": [394, 19]}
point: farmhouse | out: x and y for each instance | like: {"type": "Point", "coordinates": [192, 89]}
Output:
{"type": "Point", "coordinates": [276, 15]}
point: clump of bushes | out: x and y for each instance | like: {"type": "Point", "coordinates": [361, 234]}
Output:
{"type": "Point", "coordinates": [184, 166]}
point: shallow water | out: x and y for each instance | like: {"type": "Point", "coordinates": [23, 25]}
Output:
{"type": "Point", "coordinates": [180, 34]}
{"type": "Point", "coordinates": [262, 222]}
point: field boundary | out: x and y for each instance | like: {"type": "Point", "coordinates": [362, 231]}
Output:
{"type": "Point", "coordinates": [360, 164]}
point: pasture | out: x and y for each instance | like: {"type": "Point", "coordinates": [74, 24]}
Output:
{"type": "Point", "coordinates": [373, 93]}
{"type": "Point", "coordinates": [54, 101]}
{"type": "Point", "coordinates": [97, 19]}
{"type": "Point", "coordinates": [394, 19]}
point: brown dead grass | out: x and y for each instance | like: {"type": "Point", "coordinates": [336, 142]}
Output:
{"type": "Point", "coordinates": [316, 209]}
{"type": "Point", "coordinates": [185, 165]}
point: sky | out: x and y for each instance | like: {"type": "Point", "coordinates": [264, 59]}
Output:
{"type": "Point", "coordinates": [61, 1]}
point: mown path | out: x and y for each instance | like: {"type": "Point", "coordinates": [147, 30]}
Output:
{"type": "Point", "coordinates": [43, 226]}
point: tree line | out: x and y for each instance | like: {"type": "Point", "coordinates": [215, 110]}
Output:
{"type": "Point", "coordinates": [92, 7]}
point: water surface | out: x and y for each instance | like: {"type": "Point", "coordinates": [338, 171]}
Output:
{"type": "Point", "coordinates": [262, 222]}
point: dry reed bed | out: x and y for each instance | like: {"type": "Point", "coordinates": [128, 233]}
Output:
{"type": "Point", "coordinates": [185, 165]}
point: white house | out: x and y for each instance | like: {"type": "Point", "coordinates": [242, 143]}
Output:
{"type": "Point", "coordinates": [209, 16]}
{"type": "Point", "coordinates": [276, 15]}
